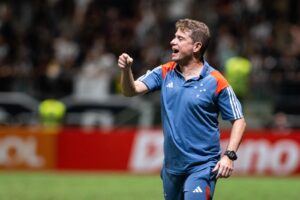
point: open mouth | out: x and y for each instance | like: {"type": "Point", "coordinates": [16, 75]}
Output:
{"type": "Point", "coordinates": [175, 50]}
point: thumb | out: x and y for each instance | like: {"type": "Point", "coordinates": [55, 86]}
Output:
{"type": "Point", "coordinates": [216, 167]}
{"type": "Point", "coordinates": [125, 57]}
{"type": "Point", "coordinates": [129, 60]}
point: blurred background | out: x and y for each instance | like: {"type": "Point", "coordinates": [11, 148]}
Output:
{"type": "Point", "coordinates": [67, 50]}
{"type": "Point", "coordinates": [59, 80]}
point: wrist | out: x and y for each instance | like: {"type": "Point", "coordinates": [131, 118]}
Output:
{"type": "Point", "coordinates": [231, 155]}
{"type": "Point", "coordinates": [126, 69]}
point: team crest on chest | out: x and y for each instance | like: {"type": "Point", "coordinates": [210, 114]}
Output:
{"type": "Point", "coordinates": [200, 89]}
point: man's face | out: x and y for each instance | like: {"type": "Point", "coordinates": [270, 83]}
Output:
{"type": "Point", "coordinates": [182, 46]}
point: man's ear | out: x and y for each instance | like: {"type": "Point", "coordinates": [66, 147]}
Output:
{"type": "Point", "coordinates": [197, 46]}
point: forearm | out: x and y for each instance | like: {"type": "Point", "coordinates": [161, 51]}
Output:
{"type": "Point", "coordinates": [225, 166]}
{"type": "Point", "coordinates": [127, 82]}
{"type": "Point", "coordinates": [236, 135]}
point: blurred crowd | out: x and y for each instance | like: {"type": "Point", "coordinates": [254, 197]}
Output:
{"type": "Point", "coordinates": [57, 48]}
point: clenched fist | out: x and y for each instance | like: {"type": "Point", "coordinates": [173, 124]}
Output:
{"type": "Point", "coordinates": [125, 61]}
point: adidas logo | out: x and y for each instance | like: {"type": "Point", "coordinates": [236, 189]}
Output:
{"type": "Point", "coordinates": [197, 190]}
{"type": "Point", "coordinates": [170, 85]}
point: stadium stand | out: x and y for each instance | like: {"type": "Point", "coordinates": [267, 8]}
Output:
{"type": "Point", "coordinates": [46, 45]}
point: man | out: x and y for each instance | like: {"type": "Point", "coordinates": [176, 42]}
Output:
{"type": "Point", "coordinates": [192, 95]}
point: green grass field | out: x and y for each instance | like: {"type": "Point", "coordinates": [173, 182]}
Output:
{"type": "Point", "coordinates": [101, 186]}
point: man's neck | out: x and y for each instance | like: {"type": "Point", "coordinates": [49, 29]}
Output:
{"type": "Point", "coordinates": [191, 70]}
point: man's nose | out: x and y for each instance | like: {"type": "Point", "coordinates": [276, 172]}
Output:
{"type": "Point", "coordinates": [172, 42]}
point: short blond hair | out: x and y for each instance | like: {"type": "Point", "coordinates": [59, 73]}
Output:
{"type": "Point", "coordinates": [199, 32]}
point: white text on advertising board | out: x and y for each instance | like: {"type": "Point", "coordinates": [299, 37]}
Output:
{"type": "Point", "coordinates": [256, 156]}
{"type": "Point", "coordinates": [16, 151]}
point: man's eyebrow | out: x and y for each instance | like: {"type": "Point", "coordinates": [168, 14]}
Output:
{"type": "Point", "coordinates": [178, 35]}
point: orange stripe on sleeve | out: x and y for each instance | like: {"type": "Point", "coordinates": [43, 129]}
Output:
{"type": "Point", "coordinates": [167, 67]}
{"type": "Point", "coordinates": [221, 81]}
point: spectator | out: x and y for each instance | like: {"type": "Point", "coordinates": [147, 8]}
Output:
{"type": "Point", "coordinates": [96, 74]}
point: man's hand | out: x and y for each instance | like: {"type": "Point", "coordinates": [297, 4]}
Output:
{"type": "Point", "coordinates": [224, 168]}
{"type": "Point", "coordinates": [125, 61]}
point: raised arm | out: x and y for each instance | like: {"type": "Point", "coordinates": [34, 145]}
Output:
{"type": "Point", "coordinates": [130, 87]}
